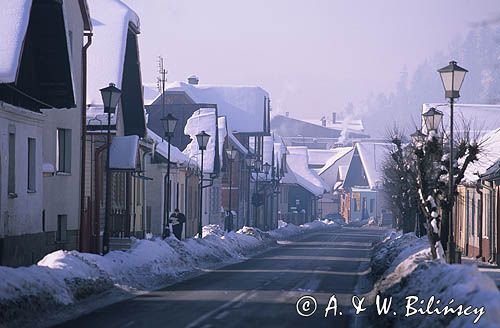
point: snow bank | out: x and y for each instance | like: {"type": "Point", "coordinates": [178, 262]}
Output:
{"type": "Point", "coordinates": [67, 277]}
{"type": "Point", "coordinates": [13, 27]}
{"type": "Point", "coordinates": [402, 267]}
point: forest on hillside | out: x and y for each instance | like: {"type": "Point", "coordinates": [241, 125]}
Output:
{"type": "Point", "coordinates": [478, 52]}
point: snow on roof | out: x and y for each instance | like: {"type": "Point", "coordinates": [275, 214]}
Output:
{"type": "Point", "coordinates": [320, 156]}
{"type": "Point", "coordinates": [483, 118]}
{"type": "Point", "coordinates": [123, 153]}
{"type": "Point", "coordinates": [150, 93]}
{"type": "Point", "coordinates": [222, 136]}
{"type": "Point", "coordinates": [176, 156]}
{"type": "Point", "coordinates": [13, 27]}
{"type": "Point", "coordinates": [489, 155]}
{"type": "Point", "coordinates": [236, 143]}
{"type": "Point", "coordinates": [349, 125]}
{"type": "Point", "coordinates": [242, 105]}
{"type": "Point", "coordinates": [372, 155]}
{"type": "Point", "coordinates": [297, 161]}
{"type": "Point", "coordinates": [202, 120]}
{"type": "Point", "coordinates": [96, 116]}
{"type": "Point", "coordinates": [111, 20]}
{"type": "Point", "coordinates": [342, 172]}
{"type": "Point", "coordinates": [339, 153]}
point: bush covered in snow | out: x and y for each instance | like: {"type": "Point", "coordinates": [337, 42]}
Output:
{"type": "Point", "coordinates": [402, 267]}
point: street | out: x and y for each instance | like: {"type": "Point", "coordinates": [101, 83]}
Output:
{"type": "Point", "coordinates": [259, 292]}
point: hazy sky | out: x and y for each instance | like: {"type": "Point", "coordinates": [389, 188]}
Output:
{"type": "Point", "coordinates": [311, 56]}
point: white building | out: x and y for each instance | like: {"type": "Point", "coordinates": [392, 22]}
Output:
{"type": "Point", "coordinates": [40, 85]}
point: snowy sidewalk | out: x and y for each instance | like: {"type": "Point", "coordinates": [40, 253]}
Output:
{"type": "Point", "coordinates": [65, 279]}
{"type": "Point", "coordinates": [493, 271]}
{"type": "Point", "coordinates": [403, 271]}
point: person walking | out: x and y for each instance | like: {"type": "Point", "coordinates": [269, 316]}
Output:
{"type": "Point", "coordinates": [177, 219]}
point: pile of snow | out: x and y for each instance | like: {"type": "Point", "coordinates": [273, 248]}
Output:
{"type": "Point", "coordinates": [402, 267]}
{"type": "Point", "coordinates": [67, 277]}
{"type": "Point", "coordinates": [372, 222]}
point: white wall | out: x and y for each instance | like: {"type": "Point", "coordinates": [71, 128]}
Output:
{"type": "Point", "coordinates": [62, 191]}
{"type": "Point", "coordinates": [23, 214]}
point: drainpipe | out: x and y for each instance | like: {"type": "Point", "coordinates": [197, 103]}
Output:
{"type": "Point", "coordinates": [480, 218]}
{"type": "Point", "coordinates": [85, 224]}
{"type": "Point", "coordinates": [144, 212]}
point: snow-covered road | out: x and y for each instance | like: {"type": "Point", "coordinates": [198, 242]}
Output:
{"type": "Point", "coordinates": [259, 292]}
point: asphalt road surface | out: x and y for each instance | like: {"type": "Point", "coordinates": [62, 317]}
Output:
{"type": "Point", "coordinates": [259, 292]}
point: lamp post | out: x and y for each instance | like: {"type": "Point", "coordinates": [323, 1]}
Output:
{"type": "Point", "coordinates": [231, 156]}
{"type": "Point", "coordinates": [257, 166]}
{"type": "Point", "coordinates": [432, 119]}
{"type": "Point", "coordinates": [452, 77]}
{"type": "Point", "coordinates": [110, 98]}
{"type": "Point", "coordinates": [202, 139]}
{"type": "Point", "coordinates": [249, 161]}
{"type": "Point", "coordinates": [169, 122]}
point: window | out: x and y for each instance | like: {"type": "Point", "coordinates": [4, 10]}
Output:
{"type": "Point", "coordinates": [63, 150]}
{"type": "Point", "coordinates": [473, 223]}
{"type": "Point", "coordinates": [372, 205]}
{"type": "Point", "coordinates": [12, 165]}
{"type": "Point", "coordinates": [62, 225]}
{"type": "Point", "coordinates": [31, 164]}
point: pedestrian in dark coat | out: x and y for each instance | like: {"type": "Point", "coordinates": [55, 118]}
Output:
{"type": "Point", "coordinates": [177, 219]}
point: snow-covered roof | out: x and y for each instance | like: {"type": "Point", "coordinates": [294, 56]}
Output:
{"type": "Point", "coordinates": [13, 27]}
{"type": "Point", "coordinates": [111, 20]}
{"type": "Point", "coordinates": [123, 153]}
{"type": "Point", "coordinates": [319, 157]}
{"type": "Point", "coordinates": [176, 156]}
{"type": "Point", "coordinates": [202, 120]}
{"type": "Point", "coordinates": [297, 161]}
{"type": "Point", "coordinates": [482, 118]}
{"type": "Point", "coordinates": [338, 153]}
{"type": "Point", "coordinates": [372, 155]}
{"type": "Point", "coordinates": [236, 143]}
{"type": "Point", "coordinates": [96, 116]}
{"type": "Point", "coordinates": [222, 135]}
{"type": "Point", "coordinates": [150, 93]}
{"type": "Point", "coordinates": [354, 125]}
{"type": "Point", "coordinates": [490, 153]}
{"type": "Point", "coordinates": [242, 105]}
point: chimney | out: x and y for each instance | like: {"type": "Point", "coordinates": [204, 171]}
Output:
{"type": "Point", "coordinates": [287, 114]}
{"type": "Point", "coordinates": [193, 79]}
{"type": "Point", "coordinates": [334, 117]}
{"type": "Point", "coordinates": [323, 121]}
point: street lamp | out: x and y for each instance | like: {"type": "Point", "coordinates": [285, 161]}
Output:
{"type": "Point", "coordinates": [110, 98]}
{"type": "Point", "coordinates": [432, 119]}
{"type": "Point", "coordinates": [202, 139]}
{"type": "Point", "coordinates": [266, 168]}
{"type": "Point", "coordinates": [169, 122]}
{"type": "Point", "coordinates": [231, 156]}
{"type": "Point", "coordinates": [249, 161]}
{"type": "Point", "coordinates": [452, 77]}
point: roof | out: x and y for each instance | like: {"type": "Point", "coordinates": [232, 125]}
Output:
{"type": "Point", "coordinates": [297, 161]}
{"type": "Point", "coordinates": [372, 155]}
{"type": "Point", "coordinates": [319, 157]}
{"type": "Point", "coordinates": [242, 105]}
{"type": "Point", "coordinates": [106, 55]}
{"type": "Point", "coordinates": [202, 120]}
{"type": "Point", "coordinates": [337, 154]}
{"type": "Point", "coordinates": [123, 153]}
{"type": "Point", "coordinates": [483, 118]}
{"type": "Point", "coordinates": [236, 143]}
{"type": "Point", "coordinates": [13, 28]}
{"type": "Point", "coordinates": [349, 125]}
{"type": "Point", "coordinates": [490, 153]}
{"type": "Point", "coordinates": [176, 156]}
